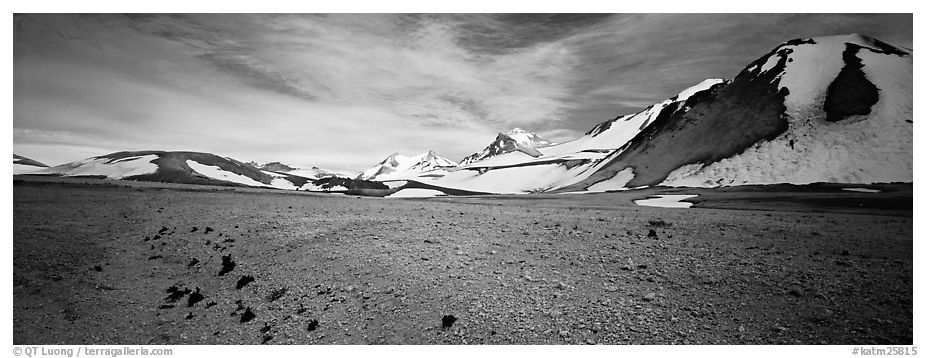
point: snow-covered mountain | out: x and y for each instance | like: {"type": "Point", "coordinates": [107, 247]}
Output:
{"type": "Point", "coordinates": [23, 165]}
{"type": "Point", "coordinates": [826, 109]}
{"type": "Point", "coordinates": [197, 168]}
{"type": "Point", "coordinates": [563, 164]}
{"type": "Point", "coordinates": [397, 167]}
{"type": "Point", "coordinates": [516, 139]}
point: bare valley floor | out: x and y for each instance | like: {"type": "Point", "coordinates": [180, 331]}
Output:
{"type": "Point", "coordinates": [157, 264]}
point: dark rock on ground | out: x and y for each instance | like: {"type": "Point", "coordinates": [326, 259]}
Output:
{"type": "Point", "coordinates": [243, 281]}
{"type": "Point", "coordinates": [447, 321]}
{"type": "Point", "coordinates": [194, 298]}
{"type": "Point", "coordinates": [227, 265]}
{"type": "Point", "coordinates": [174, 293]}
{"type": "Point", "coordinates": [247, 316]}
{"type": "Point", "coordinates": [276, 294]}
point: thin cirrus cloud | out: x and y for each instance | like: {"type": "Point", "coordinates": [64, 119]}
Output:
{"type": "Point", "coordinates": [343, 91]}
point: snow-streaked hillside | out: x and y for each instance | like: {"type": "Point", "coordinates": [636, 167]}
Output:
{"type": "Point", "coordinates": [397, 167]}
{"type": "Point", "coordinates": [197, 168]}
{"type": "Point", "coordinates": [23, 165]}
{"type": "Point", "coordinates": [515, 140]}
{"type": "Point", "coordinates": [113, 168]}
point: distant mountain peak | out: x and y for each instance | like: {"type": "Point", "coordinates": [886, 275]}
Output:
{"type": "Point", "coordinates": [397, 165]}
{"type": "Point", "coordinates": [516, 139]}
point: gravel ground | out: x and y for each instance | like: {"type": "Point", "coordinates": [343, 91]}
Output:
{"type": "Point", "coordinates": [107, 264]}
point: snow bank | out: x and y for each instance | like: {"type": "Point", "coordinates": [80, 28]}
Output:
{"type": "Point", "coordinates": [416, 193]}
{"type": "Point", "coordinates": [666, 201]}
{"type": "Point", "coordinates": [862, 190]}
{"type": "Point", "coordinates": [618, 182]}
{"type": "Point", "coordinates": [217, 173]}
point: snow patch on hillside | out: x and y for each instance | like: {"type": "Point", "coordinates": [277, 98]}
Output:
{"type": "Point", "coordinates": [25, 169]}
{"type": "Point", "coordinates": [122, 168]}
{"type": "Point", "coordinates": [216, 172]}
{"type": "Point", "coordinates": [618, 182]}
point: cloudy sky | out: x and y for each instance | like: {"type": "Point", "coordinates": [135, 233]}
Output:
{"type": "Point", "coordinates": [344, 91]}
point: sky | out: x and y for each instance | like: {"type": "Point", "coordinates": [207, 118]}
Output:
{"type": "Point", "coordinates": [343, 91]}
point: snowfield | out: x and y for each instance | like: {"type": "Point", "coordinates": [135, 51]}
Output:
{"type": "Point", "coordinates": [618, 182]}
{"type": "Point", "coordinates": [215, 172]}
